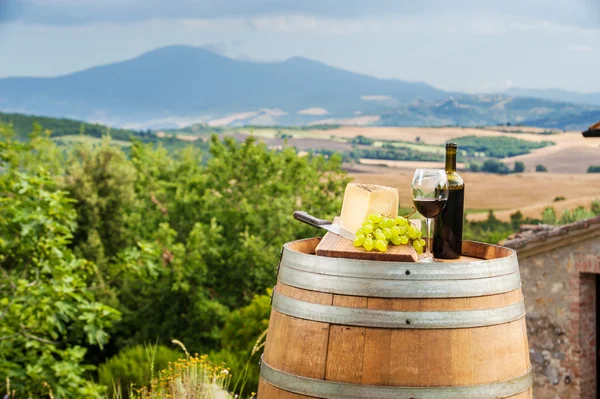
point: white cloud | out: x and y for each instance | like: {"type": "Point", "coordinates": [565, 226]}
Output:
{"type": "Point", "coordinates": [454, 51]}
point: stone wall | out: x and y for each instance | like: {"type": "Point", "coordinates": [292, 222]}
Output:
{"type": "Point", "coordinates": [559, 286]}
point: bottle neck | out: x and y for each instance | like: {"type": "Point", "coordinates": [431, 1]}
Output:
{"type": "Point", "coordinates": [450, 160]}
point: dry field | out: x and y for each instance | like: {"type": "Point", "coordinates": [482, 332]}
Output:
{"type": "Point", "coordinates": [431, 135]}
{"type": "Point", "coordinates": [566, 157]}
{"type": "Point", "coordinates": [531, 192]}
{"type": "Point", "coordinates": [528, 192]}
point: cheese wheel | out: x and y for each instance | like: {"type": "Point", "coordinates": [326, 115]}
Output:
{"type": "Point", "coordinates": [362, 200]}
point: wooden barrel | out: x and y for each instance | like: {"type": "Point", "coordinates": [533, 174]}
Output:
{"type": "Point", "coordinates": [344, 328]}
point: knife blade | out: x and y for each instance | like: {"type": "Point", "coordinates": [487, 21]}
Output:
{"type": "Point", "coordinates": [324, 224]}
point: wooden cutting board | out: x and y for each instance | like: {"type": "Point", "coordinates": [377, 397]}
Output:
{"type": "Point", "coordinates": [335, 246]}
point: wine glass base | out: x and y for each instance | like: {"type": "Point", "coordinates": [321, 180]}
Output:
{"type": "Point", "coordinates": [429, 260]}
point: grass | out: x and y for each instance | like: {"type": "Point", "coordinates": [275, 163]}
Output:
{"type": "Point", "coordinates": [194, 377]}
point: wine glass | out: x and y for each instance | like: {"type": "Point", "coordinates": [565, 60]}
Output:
{"type": "Point", "coordinates": [430, 194]}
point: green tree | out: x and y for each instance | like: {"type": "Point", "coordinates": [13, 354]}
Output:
{"type": "Point", "coordinates": [208, 235]}
{"type": "Point", "coordinates": [47, 307]}
{"type": "Point", "coordinates": [593, 169]}
{"type": "Point", "coordinates": [540, 168]}
{"type": "Point", "coordinates": [493, 166]}
{"type": "Point", "coordinates": [519, 167]}
{"type": "Point", "coordinates": [101, 180]}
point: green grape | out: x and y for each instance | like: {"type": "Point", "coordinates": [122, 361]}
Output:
{"type": "Point", "coordinates": [413, 232]}
{"type": "Point", "coordinates": [360, 239]}
{"type": "Point", "coordinates": [395, 230]}
{"type": "Point", "coordinates": [422, 242]}
{"type": "Point", "coordinates": [396, 240]}
{"type": "Point", "coordinates": [400, 221]}
{"type": "Point", "coordinates": [403, 230]}
{"type": "Point", "coordinates": [367, 228]}
{"type": "Point", "coordinates": [389, 223]}
{"type": "Point", "coordinates": [360, 232]}
{"type": "Point", "coordinates": [379, 235]}
{"type": "Point", "coordinates": [387, 233]}
{"type": "Point", "coordinates": [418, 247]}
{"type": "Point", "coordinates": [381, 245]}
{"type": "Point", "coordinates": [376, 218]}
{"type": "Point", "coordinates": [419, 233]}
{"type": "Point", "coordinates": [368, 244]}
{"type": "Point", "coordinates": [403, 240]}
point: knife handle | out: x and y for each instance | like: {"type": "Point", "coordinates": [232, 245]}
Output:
{"type": "Point", "coordinates": [310, 219]}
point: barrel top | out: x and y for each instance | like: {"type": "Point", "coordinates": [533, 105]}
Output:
{"type": "Point", "coordinates": [479, 260]}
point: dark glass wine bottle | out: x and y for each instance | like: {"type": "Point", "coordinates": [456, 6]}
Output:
{"type": "Point", "coordinates": [448, 225]}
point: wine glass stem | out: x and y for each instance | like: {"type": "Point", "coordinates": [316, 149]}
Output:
{"type": "Point", "coordinates": [428, 239]}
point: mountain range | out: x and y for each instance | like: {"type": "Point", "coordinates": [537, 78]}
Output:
{"type": "Point", "coordinates": [176, 86]}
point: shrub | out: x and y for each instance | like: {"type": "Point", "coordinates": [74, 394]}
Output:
{"type": "Point", "coordinates": [362, 140]}
{"type": "Point", "coordinates": [136, 366]}
{"type": "Point", "coordinates": [240, 348]}
{"type": "Point", "coordinates": [493, 166]}
{"type": "Point", "coordinates": [549, 216]}
{"type": "Point", "coordinates": [576, 214]}
{"type": "Point", "coordinates": [593, 169]}
{"type": "Point", "coordinates": [595, 208]}
{"type": "Point", "coordinates": [192, 377]}
{"type": "Point", "coordinates": [540, 168]}
{"type": "Point", "coordinates": [474, 167]}
{"type": "Point", "coordinates": [519, 167]}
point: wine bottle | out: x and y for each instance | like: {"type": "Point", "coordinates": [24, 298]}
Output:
{"type": "Point", "coordinates": [448, 225]}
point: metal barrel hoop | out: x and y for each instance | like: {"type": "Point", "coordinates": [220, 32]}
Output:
{"type": "Point", "coordinates": [339, 390]}
{"type": "Point", "coordinates": [361, 317]}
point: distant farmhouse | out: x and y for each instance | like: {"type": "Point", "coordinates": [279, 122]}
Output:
{"type": "Point", "coordinates": [560, 270]}
{"type": "Point", "coordinates": [593, 131]}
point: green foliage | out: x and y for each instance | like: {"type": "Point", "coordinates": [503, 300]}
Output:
{"type": "Point", "coordinates": [519, 167]}
{"type": "Point", "coordinates": [48, 310]}
{"type": "Point", "coordinates": [240, 349]}
{"type": "Point", "coordinates": [491, 230]}
{"type": "Point", "coordinates": [579, 213]}
{"type": "Point", "coordinates": [493, 166]}
{"type": "Point", "coordinates": [179, 241]}
{"type": "Point", "coordinates": [474, 167]}
{"type": "Point", "coordinates": [101, 180]}
{"type": "Point", "coordinates": [595, 207]}
{"type": "Point", "coordinates": [549, 216]}
{"type": "Point", "coordinates": [136, 366]}
{"type": "Point", "coordinates": [387, 152]}
{"type": "Point", "coordinates": [593, 169]}
{"type": "Point", "coordinates": [497, 147]}
{"type": "Point", "coordinates": [207, 237]}
{"type": "Point", "coordinates": [61, 127]}
{"type": "Point", "coordinates": [540, 168]}
{"type": "Point", "coordinates": [569, 216]}
{"type": "Point", "coordinates": [361, 140]}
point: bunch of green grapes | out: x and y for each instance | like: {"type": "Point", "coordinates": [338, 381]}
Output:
{"type": "Point", "coordinates": [378, 231]}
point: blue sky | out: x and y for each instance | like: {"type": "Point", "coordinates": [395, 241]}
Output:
{"type": "Point", "coordinates": [474, 45]}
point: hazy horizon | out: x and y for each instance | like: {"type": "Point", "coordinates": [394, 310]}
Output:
{"type": "Point", "coordinates": [465, 46]}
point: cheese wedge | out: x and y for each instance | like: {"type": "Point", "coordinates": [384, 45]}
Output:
{"type": "Point", "coordinates": [362, 200]}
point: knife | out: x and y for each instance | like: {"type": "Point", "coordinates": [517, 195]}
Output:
{"type": "Point", "coordinates": [324, 224]}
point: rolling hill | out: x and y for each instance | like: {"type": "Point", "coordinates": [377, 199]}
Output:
{"type": "Point", "coordinates": [556, 95]}
{"type": "Point", "coordinates": [179, 82]}
{"type": "Point", "coordinates": [177, 86]}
